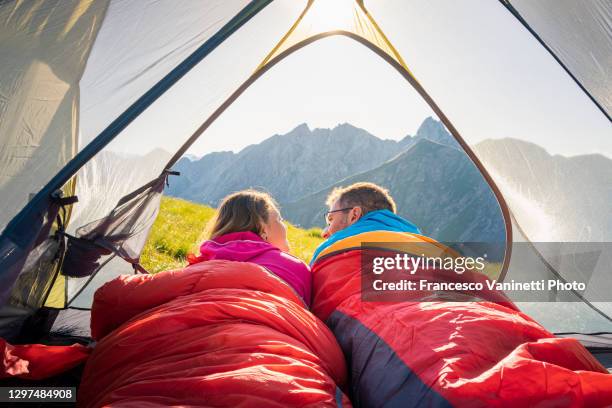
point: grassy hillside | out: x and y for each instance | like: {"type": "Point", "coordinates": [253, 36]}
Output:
{"type": "Point", "coordinates": [179, 230]}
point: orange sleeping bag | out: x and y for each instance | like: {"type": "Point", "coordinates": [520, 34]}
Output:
{"type": "Point", "coordinates": [217, 333]}
{"type": "Point", "coordinates": [437, 353]}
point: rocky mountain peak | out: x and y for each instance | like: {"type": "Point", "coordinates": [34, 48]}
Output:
{"type": "Point", "coordinates": [300, 130]}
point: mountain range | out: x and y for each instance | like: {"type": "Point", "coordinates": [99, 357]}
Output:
{"type": "Point", "coordinates": [288, 166]}
{"type": "Point", "coordinates": [434, 183]}
{"type": "Point", "coordinates": [435, 186]}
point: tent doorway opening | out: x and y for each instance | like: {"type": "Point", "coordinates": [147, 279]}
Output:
{"type": "Point", "coordinates": [305, 127]}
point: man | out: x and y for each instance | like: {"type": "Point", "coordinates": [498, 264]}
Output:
{"type": "Point", "coordinates": [361, 207]}
{"type": "Point", "coordinates": [422, 350]}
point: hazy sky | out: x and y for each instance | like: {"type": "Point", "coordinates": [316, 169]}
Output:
{"type": "Point", "coordinates": [486, 72]}
{"type": "Point", "coordinates": [334, 81]}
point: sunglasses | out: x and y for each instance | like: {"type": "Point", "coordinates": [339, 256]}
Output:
{"type": "Point", "coordinates": [328, 213]}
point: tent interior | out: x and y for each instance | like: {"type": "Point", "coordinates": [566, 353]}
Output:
{"type": "Point", "coordinates": [97, 109]}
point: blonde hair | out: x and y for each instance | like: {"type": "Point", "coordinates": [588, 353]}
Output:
{"type": "Point", "coordinates": [246, 210]}
{"type": "Point", "coordinates": [368, 196]}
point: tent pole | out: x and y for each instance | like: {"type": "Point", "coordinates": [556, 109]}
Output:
{"type": "Point", "coordinates": [520, 18]}
{"type": "Point", "coordinates": [411, 80]}
{"type": "Point", "coordinates": [19, 228]}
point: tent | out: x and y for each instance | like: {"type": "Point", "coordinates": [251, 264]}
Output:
{"type": "Point", "coordinates": [79, 77]}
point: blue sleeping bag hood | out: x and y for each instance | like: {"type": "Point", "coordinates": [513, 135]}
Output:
{"type": "Point", "coordinates": [379, 220]}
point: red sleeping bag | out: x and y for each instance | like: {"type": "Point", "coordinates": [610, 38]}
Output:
{"type": "Point", "coordinates": [218, 334]}
{"type": "Point", "coordinates": [448, 354]}
{"type": "Point", "coordinates": [38, 361]}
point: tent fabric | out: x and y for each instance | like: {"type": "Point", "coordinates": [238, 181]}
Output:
{"type": "Point", "coordinates": [164, 83]}
{"type": "Point", "coordinates": [29, 272]}
{"type": "Point", "coordinates": [121, 235]}
{"type": "Point", "coordinates": [117, 76]}
{"type": "Point", "coordinates": [578, 34]}
{"type": "Point", "coordinates": [123, 232]}
{"type": "Point", "coordinates": [321, 17]}
{"type": "Point", "coordinates": [45, 47]}
{"type": "Point", "coordinates": [586, 311]}
{"type": "Point", "coordinates": [39, 106]}
{"type": "Point", "coordinates": [216, 333]}
{"type": "Point", "coordinates": [122, 57]}
{"type": "Point", "coordinates": [111, 65]}
{"type": "Point", "coordinates": [73, 321]}
{"type": "Point", "coordinates": [446, 353]}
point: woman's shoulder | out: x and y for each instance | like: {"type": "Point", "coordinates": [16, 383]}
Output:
{"type": "Point", "coordinates": [293, 260]}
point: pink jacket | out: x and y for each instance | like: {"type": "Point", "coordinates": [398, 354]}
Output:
{"type": "Point", "coordinates": [249, 247]}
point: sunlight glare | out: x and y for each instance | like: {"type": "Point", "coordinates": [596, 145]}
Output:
{"type": "Point", "coordinates": [330, 15]}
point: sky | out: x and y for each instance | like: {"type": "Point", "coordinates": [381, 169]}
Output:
{"type": "Point", "coordinates": [332, 82]}
{"type": "Point", "coordinates": [490, 77]}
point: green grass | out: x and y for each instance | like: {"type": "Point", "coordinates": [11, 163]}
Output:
{"type": "Point", "coordinates": [179, 230]}
{"type": "Point", "coordinates": [303, 242]}
{"type": "Point", "coordinates": [175, 233]}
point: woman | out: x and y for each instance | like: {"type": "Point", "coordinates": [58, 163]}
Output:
{"type": "Point", "coordinates": [249, 228]}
